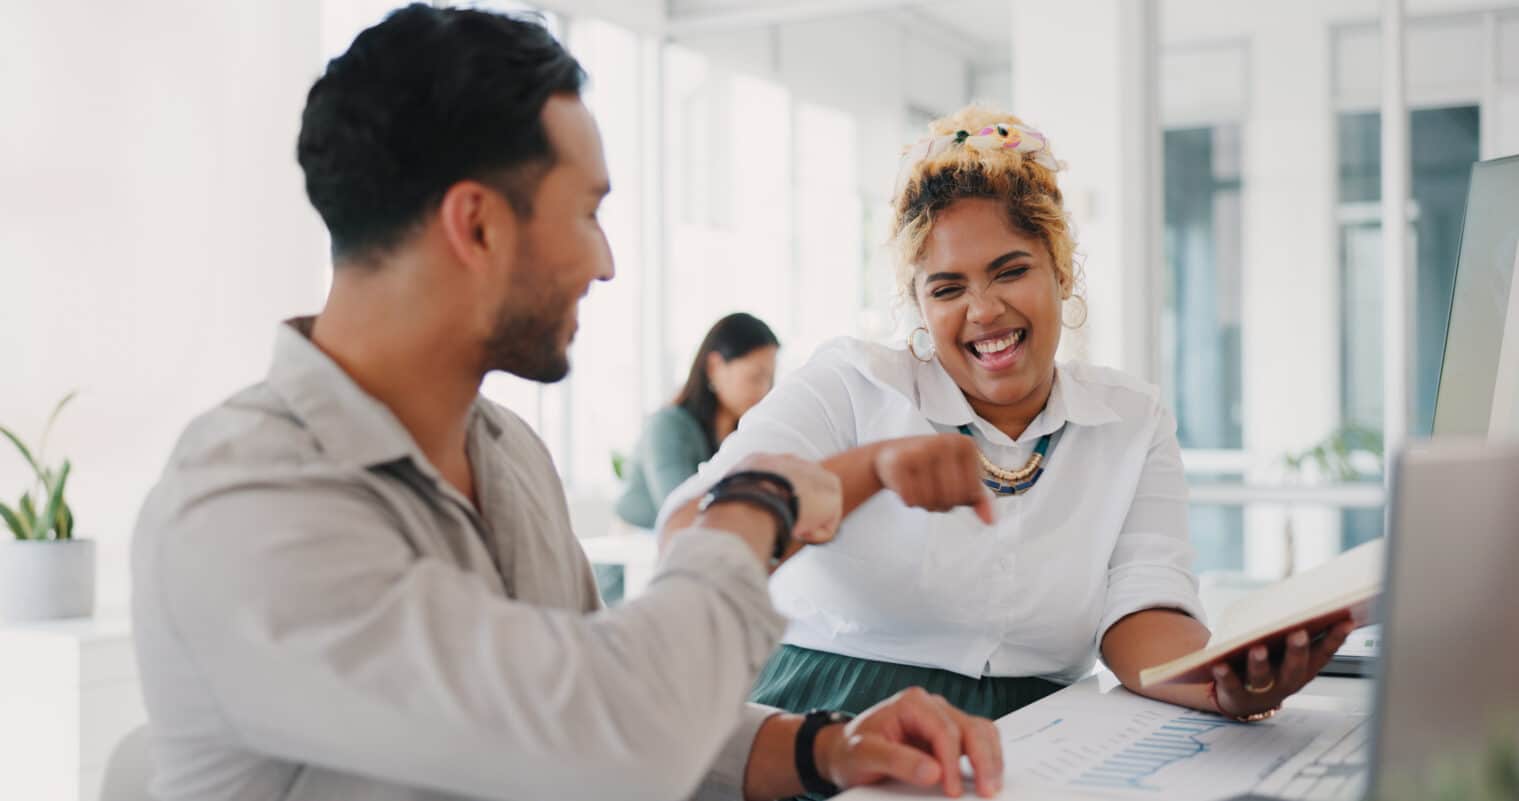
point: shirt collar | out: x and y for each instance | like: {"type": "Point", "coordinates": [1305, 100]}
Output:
{"type": "Point", "coordinates": [1071, 401]}
{"type": "Point", "coordinates": [349, 423]}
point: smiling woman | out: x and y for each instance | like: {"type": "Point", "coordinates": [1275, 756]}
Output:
{"type": "Point", "coordinates": [987, 256]}
{"type": "Point", "coordinates": [1036, 514]}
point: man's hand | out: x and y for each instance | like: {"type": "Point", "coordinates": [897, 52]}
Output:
{"type": "Point", "coordinates": [819, 502]}
{"type": "Point", "coordinates": [937, 472]}
{"type": "Point", "coordinates": [914, 737]}
{"type": "Point", "coordinates": [818, 494]}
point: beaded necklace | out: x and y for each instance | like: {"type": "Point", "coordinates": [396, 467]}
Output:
{"type": "Point", "coordinates": [1013, 482]}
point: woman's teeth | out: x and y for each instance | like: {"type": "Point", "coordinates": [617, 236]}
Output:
{"type": "Point", "coordinates": [989, 346]}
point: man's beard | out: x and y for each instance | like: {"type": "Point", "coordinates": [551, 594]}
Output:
{"type": "Point", "coordinates": [525, 341]}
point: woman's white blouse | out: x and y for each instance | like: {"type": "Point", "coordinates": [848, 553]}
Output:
{"type": "Point", "coordinates": [1102, 535]}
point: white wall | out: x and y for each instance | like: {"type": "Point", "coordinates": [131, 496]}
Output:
{"type": "Point", "coordinates": [153, 228]}
{"type": "Point", "coordinates": [993, 84]}
{"type": "Point", "coordinates": [643, 16]}
{"type": "Point", "coordinates": [1085, 106]}
{"type": "Point", "coordinates": [873, 70]}
{"type": "Point", "coordinates": [866, 66]}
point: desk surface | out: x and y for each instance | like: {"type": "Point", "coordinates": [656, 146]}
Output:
{"type": "Point", "coordinates": [1345, 696]}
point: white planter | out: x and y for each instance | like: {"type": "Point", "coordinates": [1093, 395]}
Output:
{"type": "Point", "coordinates": [46, 579]}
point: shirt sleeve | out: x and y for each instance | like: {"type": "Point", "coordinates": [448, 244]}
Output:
{"type": "Point", "coordinates": [1151, 563]}
{"type": "Point", "coordinates": [670, 456]}
{"type": "Point", "coordinates": [809, 414]}
{"type": "Point", "coordinates": [323, 639]}
{"type": "Point", "coordinates": [725, 781]}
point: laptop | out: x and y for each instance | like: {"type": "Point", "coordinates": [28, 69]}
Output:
{"type": "Point", "coordinates": [1446, 685]}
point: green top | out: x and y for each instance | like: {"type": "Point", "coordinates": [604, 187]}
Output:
{"type": "Point", "coordinates": [673, 445]}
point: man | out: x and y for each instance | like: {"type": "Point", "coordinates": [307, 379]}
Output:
{"type": "Point", "coordinates": [357, 578]}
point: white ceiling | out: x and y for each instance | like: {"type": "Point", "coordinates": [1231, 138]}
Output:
{"type": "Point", "coordinates": [983, 28]}
{"type": "Point", "coordinates": [988, 22]}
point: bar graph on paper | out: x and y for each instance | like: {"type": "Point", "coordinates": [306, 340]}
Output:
{"type": "Point", "coordinates": [1149, 745]}
{"type": "Point", "coordinates": [1137, 748]}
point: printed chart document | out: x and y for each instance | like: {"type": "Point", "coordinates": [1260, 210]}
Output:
{"type": "Point", "coordinates": [1119, 745]}
{"type": "Point", "coordinates": [1124, 746]}
{"type": "Point", "coordinates": [1344, 588]}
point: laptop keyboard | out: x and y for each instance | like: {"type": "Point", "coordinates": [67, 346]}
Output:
{"type": "Point", "coordinates": [1339, 774]}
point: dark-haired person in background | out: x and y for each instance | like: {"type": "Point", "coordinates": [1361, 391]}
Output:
{"type": "Point", "coordinates": [357, 578]}
{"type": "Point", "coordinates": [733, 370]}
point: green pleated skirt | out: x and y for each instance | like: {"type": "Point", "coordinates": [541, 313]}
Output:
{"type": "Point", "coordinates": [799, 679]}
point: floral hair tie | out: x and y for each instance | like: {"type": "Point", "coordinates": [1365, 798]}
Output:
{"type": "Point", "coordinates": [1002, 136]}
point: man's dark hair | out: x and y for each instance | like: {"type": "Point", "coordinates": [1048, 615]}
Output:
{"type": "Point", "coordinates": [425, 99]}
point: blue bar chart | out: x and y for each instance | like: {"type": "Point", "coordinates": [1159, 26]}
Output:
{"type": "Point", "coordinates": [1172, 741]}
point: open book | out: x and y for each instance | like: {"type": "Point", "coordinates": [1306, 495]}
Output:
{"type": "Point", "coordinates": [1345, 588]}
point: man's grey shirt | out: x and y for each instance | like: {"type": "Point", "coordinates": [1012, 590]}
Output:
{"type": "Point", "coordinates": [319, 615]}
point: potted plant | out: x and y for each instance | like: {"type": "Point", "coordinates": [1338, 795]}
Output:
{"type": "Point", "coordinates": [45, 572]}
{"type": "Point", "coordinates": [1347, 454]}
{"type": "Point", "coordinates": [1486, 772]}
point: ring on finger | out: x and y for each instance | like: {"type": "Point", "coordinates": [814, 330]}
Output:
{"type": "Point", "coordinates": [1260, 690]}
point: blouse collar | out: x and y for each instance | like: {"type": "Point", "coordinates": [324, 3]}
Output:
{"type": "Point", "coordinates": [1072, 401]}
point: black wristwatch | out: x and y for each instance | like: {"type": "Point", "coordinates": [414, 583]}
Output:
{"type": "Point", "coordinates": [771, 492]}
{"type": "Point", "coordinates": [806, 760]}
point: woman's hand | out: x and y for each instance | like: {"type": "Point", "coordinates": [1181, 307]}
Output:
{"type": "Point", "coordinates": [1263, 688]}
{"type": "Point", "coordinates": [937, 472]}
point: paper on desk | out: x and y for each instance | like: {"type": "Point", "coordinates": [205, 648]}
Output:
{"type": "Point", "coordinates": [1119, 745]}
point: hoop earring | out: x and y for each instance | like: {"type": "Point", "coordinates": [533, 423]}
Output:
{"type": "Point", "coordinates": [1078, 303]}
{"type": "Point", "coordinates": [912, 345]}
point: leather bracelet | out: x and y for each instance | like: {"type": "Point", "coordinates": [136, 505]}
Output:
{"type": "Point", "coordinates": [806, 740]}
{"type": "Point", "coordinates": [778, 484]}
{"type": "Point", "coordinates": [759, 499]}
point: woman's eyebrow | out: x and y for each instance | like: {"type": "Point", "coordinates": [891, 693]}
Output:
{"type": "Point", "coordinates": [992, 265]}
{"type": "Point", "coordinates": [945, 277]}
{"type": "Point", "coordinates": [1007, 257]}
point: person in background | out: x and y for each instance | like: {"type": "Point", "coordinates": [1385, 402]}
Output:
{"type": "Point", "coordinates": [733, 370]}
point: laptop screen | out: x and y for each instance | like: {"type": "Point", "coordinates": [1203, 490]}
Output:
{"type": "Point", "coordinates": [1479, 376]}
{"type": "Point", "coordinates": [1447, 689]}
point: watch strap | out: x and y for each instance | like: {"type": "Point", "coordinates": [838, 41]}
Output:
{"type": "Point", "coordinates": [762, 500]}
{"type": "Point", "coordinates": [806, 758]}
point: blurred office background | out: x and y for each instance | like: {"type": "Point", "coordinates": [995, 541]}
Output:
{"type": "Point", "coordinates": [1227, 165]}
{"type": "Point", "coordinates": [1226, 169]}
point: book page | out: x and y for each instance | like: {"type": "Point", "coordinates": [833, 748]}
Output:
{"type": "Point", "coordinates": [1351, 573]}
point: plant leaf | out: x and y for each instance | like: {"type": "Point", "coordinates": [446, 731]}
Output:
{"type": "Point", "coordinates": [50, 512]}
{"type": "Point", "coordinates": [619, 464]}
{"type": "Point", "coordinates": [12, 521]}
{"type": "Point", "coordinates": [20, 446]}
{"type": "Point", "coordinates": [48, 428]}
{"type": "Point", "coordinates": [65, 521]}
{"type": "Point", "coordinates": [28, 514]}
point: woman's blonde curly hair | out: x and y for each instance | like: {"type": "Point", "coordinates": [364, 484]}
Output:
{"type": "Point", "coordinates": [1026, 189]}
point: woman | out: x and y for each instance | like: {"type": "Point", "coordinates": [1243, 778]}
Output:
{"type": "Point", "coordinates": [732, 371]}
{"type": "Point", "coordinates": [991, 599]}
